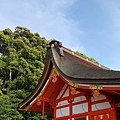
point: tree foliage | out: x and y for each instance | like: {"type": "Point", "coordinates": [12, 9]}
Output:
{"type": "Point", "coordinates": [22, 54]}
{"type": "Point", "coordinates": [86, 57]}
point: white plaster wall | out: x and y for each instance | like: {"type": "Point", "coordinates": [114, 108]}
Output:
{"type": "Point", "coordinates": [62, 112]}
{"type": "Point", "coordinates": [65, 102]}
{"type": "Point", "coordinates": [80, 108]}
{"type": "Point", "coordinates": [80, 98]}
{"type": "Point", "coordinates": [100, 106]}
{"type": "Point", "coordinates": [100, 97]}
{"type": "Point", "coordinates": [63, 89]}
{"type": "Point", "coordinates": [66, 93]}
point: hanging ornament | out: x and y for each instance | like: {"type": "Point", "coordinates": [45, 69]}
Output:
{"type": "Point", "coordinates": [54, 78]}
{"type": "Point", "coordinates": [95, 89]}
{"type": "Point", "coordinates": [73, 90]}
{"type": "Point", "coordinates": [96, 93]}
{"type": "Point", "coordinates": [39, 102]}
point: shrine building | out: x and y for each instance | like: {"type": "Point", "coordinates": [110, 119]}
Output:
{"type": "Point", "coordinates": [74, 88]}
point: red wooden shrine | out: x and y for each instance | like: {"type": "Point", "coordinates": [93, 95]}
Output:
{"type": "Point", "coordinates": [74, 88]}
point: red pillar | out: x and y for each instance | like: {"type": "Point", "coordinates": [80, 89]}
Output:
{"type": "Point", "coordinates": [89, 108]}
{"type": "Point", "coordinates": [72, 91]}
{"type": "Point", "coordinates": [54, 112]}
{"type": "Point", "coordinates": [113, 113]}
{"type": "Point", "coordinates": [70, 109]}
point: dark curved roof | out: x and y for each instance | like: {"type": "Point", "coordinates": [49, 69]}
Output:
{"type": "Point", "coordinates": [73, 68]}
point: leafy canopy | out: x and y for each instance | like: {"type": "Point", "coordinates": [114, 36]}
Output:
{"type": "Point", "coordinates": [22, 54]}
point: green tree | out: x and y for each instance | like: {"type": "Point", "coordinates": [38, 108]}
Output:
{"type": "Point", "coordinates": [21, 65]}
{"type": "Point", "coordinates": [22, 55]}
{"type": "Point", "coordinates": [86, 57]}
{"type": "Point", "coordinates": [8, 109]}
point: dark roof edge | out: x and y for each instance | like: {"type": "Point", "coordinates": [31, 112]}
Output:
{"type": "Point", "coordinates": [57, 62]}
{"type": "Point", "coordinates": [84, 80]}
{"type": "Point", "coordinates": [41, 83]}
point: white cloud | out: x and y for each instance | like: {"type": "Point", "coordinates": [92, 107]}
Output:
{"type": "Point", "coordinates": [48, 17]}
{"type": "Point", "coordinates": [52, 22]}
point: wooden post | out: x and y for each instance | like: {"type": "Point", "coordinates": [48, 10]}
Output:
{"type": "Point", "coordinates": [89, 107]}
{"type": "Point", "coordinates": [54, 112]}
{"type": "Point", "coordinates": [70, 109]}
{"type": "Point", "coordinates": [113, 113]}
{"type": "Point", "coordinates": [113, 110]}
{"type": "Point", "coordinates": [72, 91]}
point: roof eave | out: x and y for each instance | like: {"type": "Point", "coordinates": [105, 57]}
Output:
{"type": "Point", "coordinates": [41, 83]}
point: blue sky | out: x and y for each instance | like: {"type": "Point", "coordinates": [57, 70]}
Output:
{"type": "Point", "coordinates": [88, 26]}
